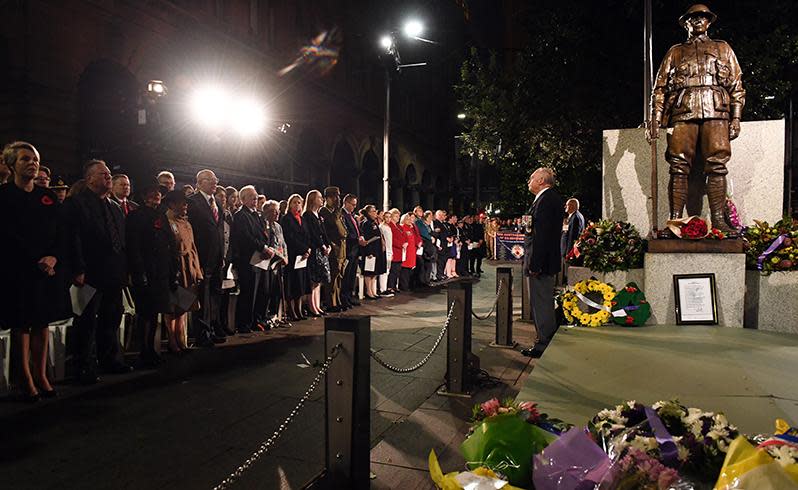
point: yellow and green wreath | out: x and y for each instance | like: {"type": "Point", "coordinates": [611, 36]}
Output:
{"type": "Point", "coordinates": [573, 298]}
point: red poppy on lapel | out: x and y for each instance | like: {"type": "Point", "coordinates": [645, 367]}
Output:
{"type": "Point", "coordinates": [47, 201]}
{"type": "Point", "coordinates": [157, 224]}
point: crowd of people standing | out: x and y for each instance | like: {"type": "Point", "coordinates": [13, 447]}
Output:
{"type": "Point", "coordinates": [219, 260]}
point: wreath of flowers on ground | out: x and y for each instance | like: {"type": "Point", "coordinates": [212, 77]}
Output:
{"type": "Point", "coordinates": [772, 248]}
{"type": "Point", "coordinates": [701, 438]}
{"type": "Point", "coordinates": [607, 246]}
{"type": "Point", "coordinates": [571, 303]}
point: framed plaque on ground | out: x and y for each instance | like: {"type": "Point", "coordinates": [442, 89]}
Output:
{"type": "Point", "coordinates": [696, 303]}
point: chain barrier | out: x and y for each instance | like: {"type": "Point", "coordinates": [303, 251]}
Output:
{"type": "Point", "coordinates": [426, 358]}
{"type": "Point", "coordinates": [492, 308]}
{"type": "Point", "coordinates": [268, 444]}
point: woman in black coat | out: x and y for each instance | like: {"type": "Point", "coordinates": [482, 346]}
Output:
{"type": "Point", "coordinates": [152, 262]}
{"type": "Point", "coordinates": [373, 248]}
{"type": "Point", "coordinates": [318, 262]}
{"type": "Point", "coordinates": [297, 282]}
{"type": "Point", "coordinates": [33, 248]}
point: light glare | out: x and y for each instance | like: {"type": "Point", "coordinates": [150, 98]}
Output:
{"type": "Point", "coordinates": [210, 107]}
{"type": "Point", "coordinates": [461, 115]}
{"type": "Point", "coordinates": [248, 117]}
{"type": "Point", "coordinates": [386, 42]}
{"type": "Point", "coordinates": [413, 28]}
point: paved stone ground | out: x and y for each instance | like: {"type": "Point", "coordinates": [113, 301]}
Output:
{"type": "Point", "coordinates": [190, 423]}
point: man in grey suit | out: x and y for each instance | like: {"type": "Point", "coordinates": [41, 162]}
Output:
{"type": "Point", "coordinates": [543, 261]}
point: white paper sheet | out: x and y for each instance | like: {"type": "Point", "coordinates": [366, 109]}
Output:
{"type": "Point", "coordinates": [419, 250]}
{"type": "Point", "coordinates": [371, 264]}
{"type": "Point", "coordinates": [404, 254]}
{"type": "Point", "coordinates": [300, 263]}
{"type": "Point", "coordinates": [80, 297]}
{"type": "Point", "coordinates": [258, 261]}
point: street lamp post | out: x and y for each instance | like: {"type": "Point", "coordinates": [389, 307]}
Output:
{"type": "Point", "coordinates": [412, 30]}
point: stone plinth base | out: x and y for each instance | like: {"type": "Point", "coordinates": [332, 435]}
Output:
{"type": "Point", "coordinates": [617, 278]}
{"type": "Point", "coordinates": [770, 301]}
{"type": "Point", "coordinates": [729, 270]}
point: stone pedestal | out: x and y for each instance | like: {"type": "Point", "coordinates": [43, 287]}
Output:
{"type": "Point", "coordinates": [729, 270]}
{"type": "Point", "coordinates": [770, 301]}
{"type": "Point", "coordinates": [5, 356]}
{"type": "Point", "coordinates": [618, 279]}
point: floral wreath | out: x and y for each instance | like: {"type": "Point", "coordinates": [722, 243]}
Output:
{"type": "Point", "coordinates": [573, 297]}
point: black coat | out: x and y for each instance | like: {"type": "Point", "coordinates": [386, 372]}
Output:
{"type": "Point", "coordinates": [208, 233]}
{"type": "Point", "coordinates": [352, 234]}
{"type": "Point", "coordinates": [316, 232]}
{"type": "Point", "coordinates": [91, 245]}
{"type": "Point", "coordinates": [547, 214]}
{"type": "Point", "coordinates": [152, 257]}
{"type": "Point", "coordinates": [296, 237]}
{"type": "Point", "coordinates": [247, 235]}
{"type": "Point", "coordinates": [32, 228]}
{"type": "Point", "coordinates": [370, 229]}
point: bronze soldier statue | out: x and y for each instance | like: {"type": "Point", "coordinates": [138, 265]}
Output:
{"type": "Point", "coordinates": [699, 92]}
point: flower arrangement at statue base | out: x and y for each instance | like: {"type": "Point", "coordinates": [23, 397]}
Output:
{"type": "Point", "coordinates": [771, 248]}
{"type": "Point", "coordinates": [588, 303]}
{"type": "Point", "coordinates": [629, 307]}
{"type": "Point", "coordinates": [607, 246]}
{"type": "Point", "coordinates": [694, 228]}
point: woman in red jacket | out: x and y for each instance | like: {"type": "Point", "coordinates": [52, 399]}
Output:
{"type": "Point", "coordinates": [398, 248]}
{"type": "Point", "coordinates": [413, 240]}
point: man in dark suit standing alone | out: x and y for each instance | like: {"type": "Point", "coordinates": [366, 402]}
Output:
{"type": "Point", "coordinates": [205, 216]}
{"type": "Point", "coordinates": [543, 264]}
{"type": "Point", "coordinates": [97, 228]}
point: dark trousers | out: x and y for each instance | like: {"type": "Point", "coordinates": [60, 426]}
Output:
{"type": "Point", "coordinates": [404, 278]}
{"type": "Point", "coordinates": [542, 292]}
{"type": "Point", "coordinates": [393, 275]}
{"type": "Point", "coordinates": [443, 256]}
{"type": "Point", "coordinates": [274, 291]}
{"type": "Point", "coordinates": [208, 315]}
{"type": "Point", "coordinates": [350, 275]}
{"type": "Point", "coordinates": [461, 266]}
{"type": "Point", "coordinates": [252, 295]}
{"type": "Point", "coordinates": [98, 330]}
{"type": "Point", "coordinates": [475, 262]}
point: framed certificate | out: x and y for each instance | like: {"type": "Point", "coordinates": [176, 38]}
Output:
{"type": "Point", "coordinates": [696, 303]}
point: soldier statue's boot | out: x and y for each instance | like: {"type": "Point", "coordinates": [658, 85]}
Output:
{"type": "Point", "coordinates": [677, 197]}
{"type": "Point", "coordinates": [716, 194]}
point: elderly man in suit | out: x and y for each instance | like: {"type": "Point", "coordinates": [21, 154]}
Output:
{"type": "Point", "coordinates": [205, 216]}
{"type": "Point", "coordinates": [543, 264]}
{"type": "Point", "coordinates": [249, 241]}
{"type": "Point", "coordinates": [354, 240]}
{"type": "Point", "coordinates": [97, 228]}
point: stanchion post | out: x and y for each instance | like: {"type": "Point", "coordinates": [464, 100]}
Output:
{"type": "Point", "coordinates": [526, 298]}
{"type": "Point", "coordinates": [347, 391]}
{"type": "Point", "coordinates": [504, 309]}
{"type": "Point", "coordinates": [458, 345]}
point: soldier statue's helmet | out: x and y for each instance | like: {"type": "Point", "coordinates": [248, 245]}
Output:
{"type": "Point", "coordinates": [697, 9]}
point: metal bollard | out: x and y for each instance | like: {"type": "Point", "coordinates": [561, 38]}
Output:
{"type": "Point", "coordinates": [459, 359]}
{"type": "Point", "coordinates": [526, 298]}
{"type": "Point", "coordinates": [347, 392]}
{"type": "Point", "coordinates": [504, 309]}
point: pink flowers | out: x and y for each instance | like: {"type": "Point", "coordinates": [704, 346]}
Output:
{"type": "Point", "coordinates": [491, 407]}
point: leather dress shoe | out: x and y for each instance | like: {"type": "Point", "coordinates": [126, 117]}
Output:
{"type": "Point", "coordinates": [87, 377]}
{"type": "Point", "coordinates": [334, 309]}
{"type": "Point", "coordinates": [532, 352]}
{"type": "Point", "coordinates": [244, 330]}
{"type": "Point", "coordinates": [48, 394]}
{"type": "Point", "coordinates": [355, 302]}
{"type": "Point", "coordinates": [217, 339]}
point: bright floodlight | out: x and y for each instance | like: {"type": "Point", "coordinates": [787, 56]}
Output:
{"type": "Point", "coordinates": [413, 28]}
{"type": "Point", "coordinates": [386, 42]}
{"type": "Point", "coordinates": [209, 107]}
{"type": "Point", "coordinates": [156, 87]}
{"type": "Point", "coordinates": [248, 117]}
{"type": "Point", "coordinates": [461, 115]}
